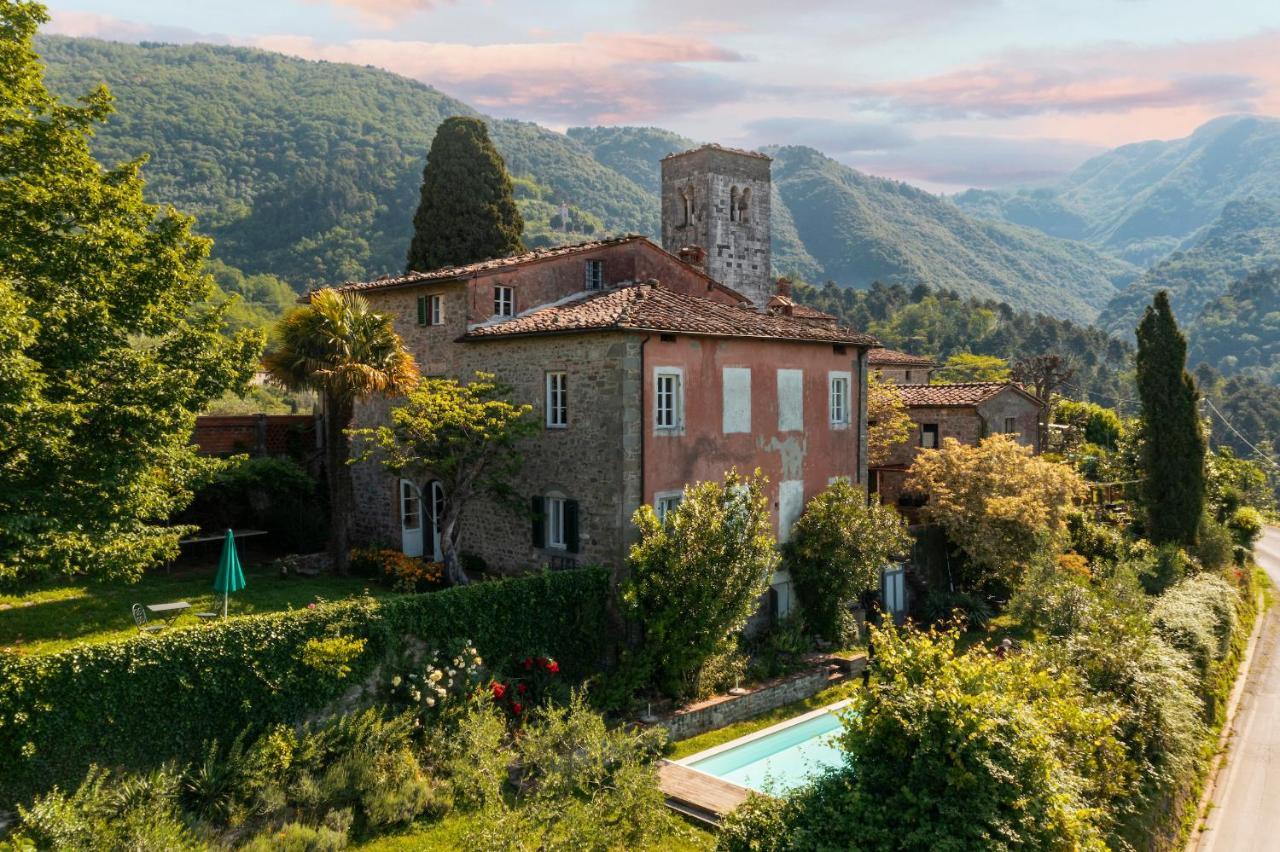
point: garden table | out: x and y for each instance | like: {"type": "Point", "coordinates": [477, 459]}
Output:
{"type": "Point", "coordinates": [168, 612]}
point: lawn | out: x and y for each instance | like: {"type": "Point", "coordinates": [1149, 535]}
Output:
{"type": "Point", "coordinates": [449, 833]}
{"type": "Point", "coordinates": [58, 615]}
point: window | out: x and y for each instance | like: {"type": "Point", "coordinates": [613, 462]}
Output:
{"type": "Point", "coordinates": [435, 313]}
{"type": "Point", "coordinates": [555, 522]}
{"type": "Point", "coordinates": [595, 274]}
{"type": "Point", "coordinates": [790, 400]}
{"type": "Point", "coordinates": [504, 301]}
{"type": "Point", "coordinates": [736, 416]}
{"type": "Point", "coordinates": [790, 506]}
{"type": "Point", "coordinates": [733, 204]}
{"type": "Point", "coordinates": [839, 398]}
{"type": "Point", "coordinates": [668, 403]}
{"type": "Point", "coordinates": [666, 502]}
{"type": "Point", "coordinates": [908, 375]}
{"type": "Point", "coordinates": [1011, 425]}
{"type": "Point", "coordinates": [557, 400]}
{"type": "Point", "coordinates": [744, 206]}
{"type": "Point", "coordinates": [410, 506]}
{"type": "Point", "coordinates": [929, 436]}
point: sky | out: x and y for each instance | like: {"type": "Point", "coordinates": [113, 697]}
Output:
{"type": "Point", "coordinates": [945, 94]}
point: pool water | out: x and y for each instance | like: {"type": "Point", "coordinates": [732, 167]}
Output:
{"type": "Point", "coordinates": [778, 761]}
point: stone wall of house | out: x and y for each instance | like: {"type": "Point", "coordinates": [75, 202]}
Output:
{"type": "Point", "coordinates": [904, 375]}
{"type": "Point", "coordinates": [697, 188]}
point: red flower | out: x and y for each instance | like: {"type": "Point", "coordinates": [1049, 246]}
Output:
{"type": "Point", "coordinates": [516, 707]}
{"type": "Point", "coordinates": [528, 663]}
{"type": "Point", "coordinates": [521, 688]}
{"type": "Point", "coordinates": [553, 667]}
{"type": "Point", "coordinates": [499, 690]}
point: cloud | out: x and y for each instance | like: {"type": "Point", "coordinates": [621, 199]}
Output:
{"type": "Point", "coordinates": [831, 136]}
{"type": "Point", "coordinates": [950, 162]}
{"type": "Point", "coordinates": [602, 78]}
{"type": "Point", "coordinates": [1226, 76]}
{"type": "Point", "coordinates": [111, 28]}
{"type": "Point", "coordinates": [382, 14]}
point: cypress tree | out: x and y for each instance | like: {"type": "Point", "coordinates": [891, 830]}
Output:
{"type": "Point", "coordinates": [467, 212]}
{"type": "Point", "coordinates": [1173, 450]}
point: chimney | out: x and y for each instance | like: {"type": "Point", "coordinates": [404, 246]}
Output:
{"type": "Point", "coordinates": [694, 256]}
{"type": "Point", "coordinates": [784, 287]}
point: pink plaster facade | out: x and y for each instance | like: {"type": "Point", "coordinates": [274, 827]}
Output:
{"type": "Point", "coordinates": [798, 462]}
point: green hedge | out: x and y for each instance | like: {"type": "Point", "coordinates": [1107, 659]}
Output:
{"type": "Point", "coordinates": [139, 702]}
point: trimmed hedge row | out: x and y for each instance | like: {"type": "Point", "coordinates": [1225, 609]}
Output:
{"type": "Point", "coordinates": [139, 702]}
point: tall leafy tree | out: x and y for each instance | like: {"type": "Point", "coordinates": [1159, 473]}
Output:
{"type": "Point", "coordinates": [340, 348]}
{"type": "Point", "coordinates": [888, 423]}
{"type": "Point", "coordinates": [1173, 442]}
{"type": "Point", "coordinates": [467, 437]}
{"type": "Point", "coordinates": [467, 212]}
{"type": "Point", "coordinates": [108, 345]}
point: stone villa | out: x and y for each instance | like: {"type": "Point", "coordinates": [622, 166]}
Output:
{"type": "Point", "coordinates": [650, 368]}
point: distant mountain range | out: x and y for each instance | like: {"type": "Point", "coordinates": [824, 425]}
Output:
{"type": "Point", "coordinates": [310, 171]}
{"type": "Point", "coordinates": [1143, 201]}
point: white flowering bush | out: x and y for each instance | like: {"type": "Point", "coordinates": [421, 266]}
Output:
{"type": "Point", "coordinates": [445, 681]}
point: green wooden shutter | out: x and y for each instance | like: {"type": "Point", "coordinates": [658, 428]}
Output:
{"type": "Point", "coordinates": [571, 525]}
{"type": "Point", "coordinates": [539, 522]}
{"type": "Point", "coordinates": [422, 310]}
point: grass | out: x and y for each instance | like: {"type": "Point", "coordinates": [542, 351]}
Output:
{"type": "Point", "coordinates": [710, 739]}
{"type": "Point", "coordinates": [59, 615]}
{"type": "Point", "coordinates": [450, 833]}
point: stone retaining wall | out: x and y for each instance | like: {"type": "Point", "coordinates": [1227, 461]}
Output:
{"type": "Point", "coordinates": [726, 709]}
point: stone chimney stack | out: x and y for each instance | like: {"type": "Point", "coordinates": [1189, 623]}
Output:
{"type": "Point", "coordinates": [694, 256]}
{"type": "Point", "coordinates": [718, 199]}
{"type": "Point", "coordinates": [784, 287]}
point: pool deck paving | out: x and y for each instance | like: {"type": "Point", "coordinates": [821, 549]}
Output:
{"type": "Point", "coordinates": [698, 795]}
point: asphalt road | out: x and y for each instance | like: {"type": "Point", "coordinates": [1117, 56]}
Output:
{"type": "Point", "coordinates": [1246, 812]}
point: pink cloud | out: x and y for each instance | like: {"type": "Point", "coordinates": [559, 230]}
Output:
{"type": "Point", "coordinates": [383, 14]}
{"type": "Point", "coordinates": [604, 77]}
{"type": "Point", "coordinates": [1233, 76]}
{"type": "Point", "coordinates": [111, 28]}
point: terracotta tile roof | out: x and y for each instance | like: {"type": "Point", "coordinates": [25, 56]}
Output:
{"type": "Point", "coordinates": [956, 393]}
{"type": "Point", "coordinates": [711, 146]}
{"type": "Point", "coordinates": [448, 272]}
{"type": "Point", "coordinates": [882, 357]}
{"type": "Point", "coordinates": [789, 307]}
{"type": "Point", "coordinates": [652, 307]}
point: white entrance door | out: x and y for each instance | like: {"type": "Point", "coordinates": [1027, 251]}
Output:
{"type": "Point", "coordinates": [437, 514]}
{"type": "Point", "coordinates": [410, 519]}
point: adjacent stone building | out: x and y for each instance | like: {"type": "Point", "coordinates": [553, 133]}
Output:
{"type": "Point", "coordinates": [901, 368]}
{"type": "Point", "coordinates": [966, 411]}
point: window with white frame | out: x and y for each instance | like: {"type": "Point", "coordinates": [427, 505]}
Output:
{"type": "Point", "coordinates": [666, 502]}
{"type": "Point", "coordinates": [410, 506]}
{"type": "Point", "coordinates": [557, 400]}
{"type": "Point", "coordinates": [595, 274]}
{"type": "Point", "coordinates": [504, 301]}
{"type": "Point", "coordinates": [435, 310]}
{"type": "Point", "coordinates": [929, 436]}
{"type": "Point", "coordinates": [555, 523]}
{"type": "Point", "coordinates": [668, 399]}
{"type": "Point", "coordinates": [839, 398]}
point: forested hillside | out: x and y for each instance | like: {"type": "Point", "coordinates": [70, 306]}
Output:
{"type": "Point", "coordinates": [1145, 200]}
{"type": "Point", "coordinates": [1244, 238]}
{"type": "Point", "coordinates": [310, 172]}
{"type": "Point", "coordinates": [1240, 330]}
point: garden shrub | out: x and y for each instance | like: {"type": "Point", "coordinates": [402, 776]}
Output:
{"type": "Point", "coordinates": [1246, 526]}
{"type": "Point", "coordinates": [263, 492]}
{"type": "Point", "coordinates": [836, 551]}
{"type": "Point", "coordinates": [405, 574]}
{"type": "Point", "coordinates": [1215, 547]}
{"type": "Point", "coordinates": [135, 702]}
{"type": "Point", "coordinates": [1162, 567]}
{"type": "Point", "coordinates": [724, 669]}
{"type": "Point", "coordinates": [1095, 541]}
{"type": "Point", "coordinates": [332, 655]}
{"type": "Point", "coordinates": [696, 578]}
{"type": "Point", "coordinates": [1198, 617]}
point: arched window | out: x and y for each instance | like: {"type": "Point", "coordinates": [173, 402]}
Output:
{"type": "Point", "coordinates": [686, 199]}
{"type": "Point", "coordinates": [744, 205]}
{"type": "Point", "coordinates": [733, 204]}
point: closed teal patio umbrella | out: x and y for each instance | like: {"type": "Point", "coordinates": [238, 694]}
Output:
{"type": "Point", "coordinates": [230, 576]}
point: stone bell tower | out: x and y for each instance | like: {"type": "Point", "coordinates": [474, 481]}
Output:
{"type": "Point", "coordinates": [718, 199]}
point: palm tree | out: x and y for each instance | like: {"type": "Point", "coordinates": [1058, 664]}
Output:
{"type": "Point", "coordinates": [337, 346]}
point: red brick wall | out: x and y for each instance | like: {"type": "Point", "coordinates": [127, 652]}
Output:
{"type": "Point", "coordinates": [268, 434]}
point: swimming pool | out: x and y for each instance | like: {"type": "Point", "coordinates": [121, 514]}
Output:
{"type": "Point", "coordinates": [779, 758]}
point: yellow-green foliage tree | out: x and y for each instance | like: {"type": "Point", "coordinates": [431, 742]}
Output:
{"type": "Point", "coordinates": [888, 424]}
{"type": "Point", "coordinates": [997, 501]}
{"type": "Point", "coordinates": [695, 577]}
{"type": "Point", "coordinates": [965, 367]}
{"type": "Point", "coordinates": [468, 437]}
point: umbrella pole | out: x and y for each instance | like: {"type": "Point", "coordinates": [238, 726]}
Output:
{"type": "Point", "coordinates": [225, 595]}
